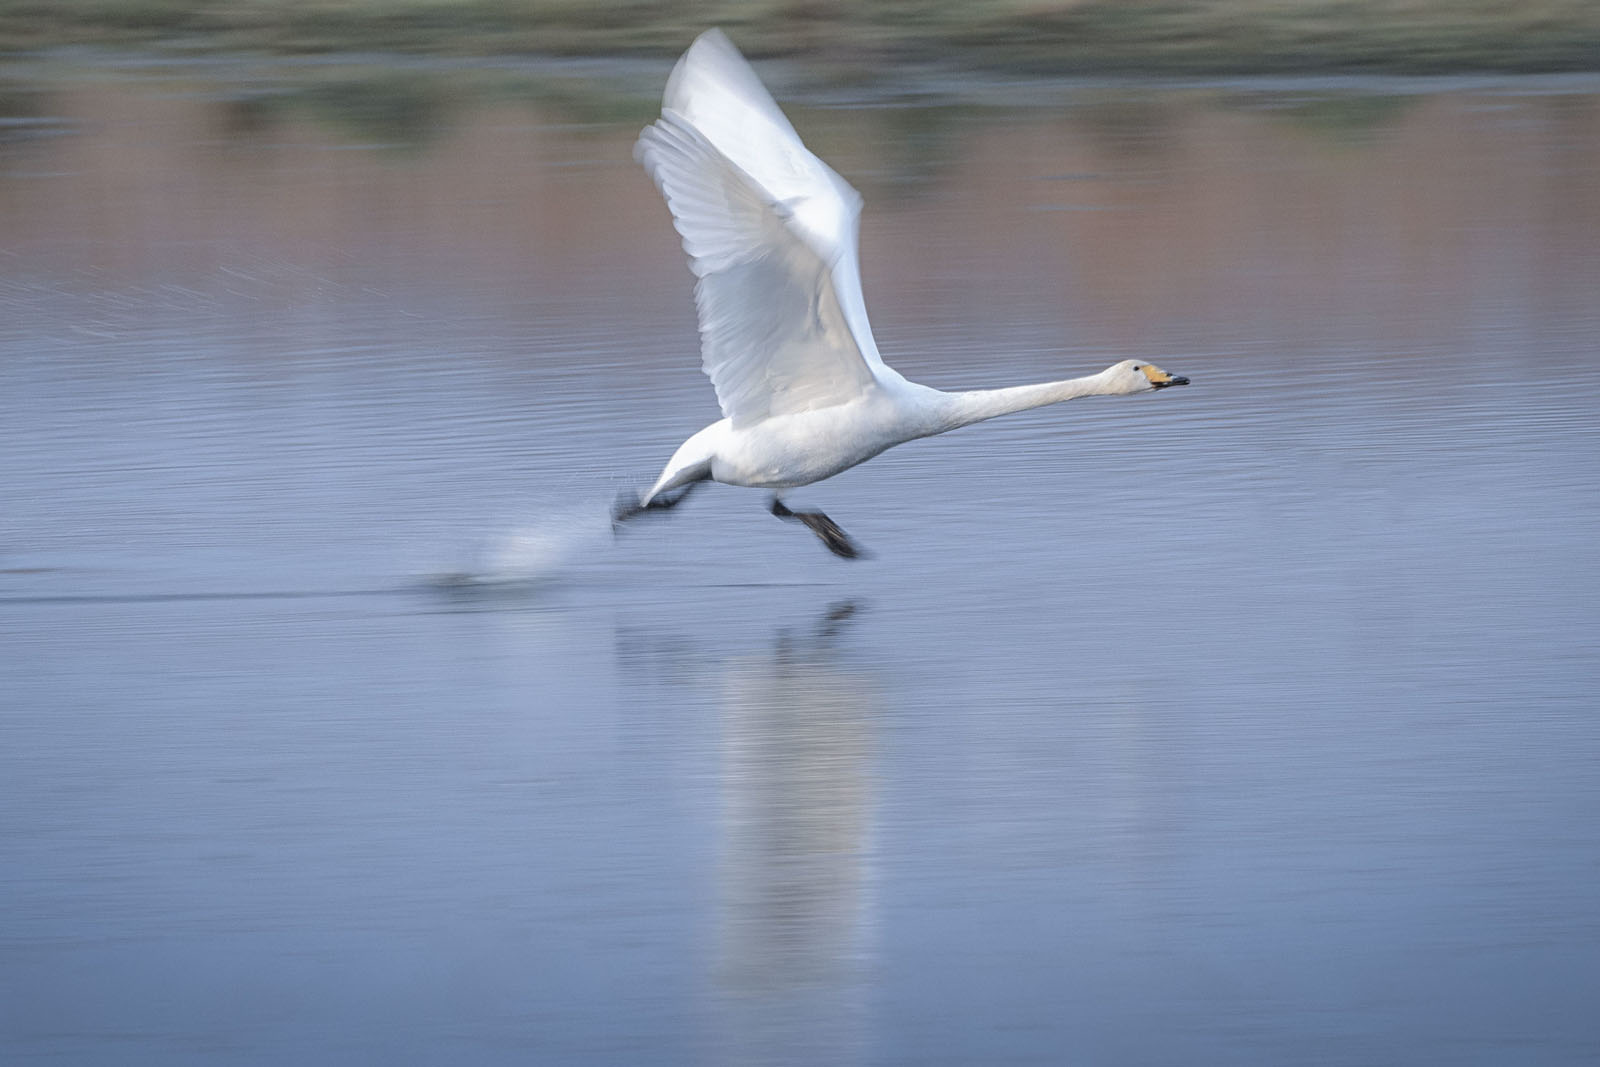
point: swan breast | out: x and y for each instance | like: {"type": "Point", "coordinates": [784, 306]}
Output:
{"type": "Point", "coordinates": [807, 446]}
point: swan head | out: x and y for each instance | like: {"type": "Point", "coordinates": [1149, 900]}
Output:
{"type": "Point", "coordinates": [1137, 376]}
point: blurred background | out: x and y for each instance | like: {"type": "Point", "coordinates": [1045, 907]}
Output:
{"type": "Point", "coordinates": [1065, 35]}
{"type": "Point", "coordinates": [1249, 722]}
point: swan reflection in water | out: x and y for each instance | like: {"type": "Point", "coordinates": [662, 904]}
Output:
{"type": "Point", "coordinates": [795, 876]}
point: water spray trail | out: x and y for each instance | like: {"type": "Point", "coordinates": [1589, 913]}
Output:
{"type": "Point", "coordinates": [535, 550]}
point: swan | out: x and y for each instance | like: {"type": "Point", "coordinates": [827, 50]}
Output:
{"type": "Point", "coordinates": [771, 233]}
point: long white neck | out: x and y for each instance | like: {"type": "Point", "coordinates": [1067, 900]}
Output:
{"type": "Point", "coordinates": [964, 409]}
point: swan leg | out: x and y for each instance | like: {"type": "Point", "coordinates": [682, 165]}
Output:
{"type": "Point", "coordinates": [628, 506]}
{"type": "Point", "coordinates": [837, 540]}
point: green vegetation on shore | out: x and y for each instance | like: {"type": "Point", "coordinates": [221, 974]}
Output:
{"type": "Point", "coordinates": [1059, 36]}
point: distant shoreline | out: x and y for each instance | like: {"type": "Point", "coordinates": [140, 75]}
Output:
{"type": "Point", "coordinates": [1087, 37]}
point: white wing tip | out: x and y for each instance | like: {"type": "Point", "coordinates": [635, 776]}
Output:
{"type": "Point", "coordinates": [712, 40]}
{"type": "Point", "coordinates": [715, 36]}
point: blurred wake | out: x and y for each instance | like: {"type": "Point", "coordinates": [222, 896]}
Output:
{"type": "Point", "coordinates": [532, 552]}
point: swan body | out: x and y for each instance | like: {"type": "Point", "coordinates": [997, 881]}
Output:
{"type": "Point", "coordinates": [771, 235]}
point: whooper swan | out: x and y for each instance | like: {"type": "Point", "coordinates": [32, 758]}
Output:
{"type": "Point", "coordinates": [770, 231]}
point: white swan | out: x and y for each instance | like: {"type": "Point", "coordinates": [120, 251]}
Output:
{"type": "Point", "coordinates": [771, 235]}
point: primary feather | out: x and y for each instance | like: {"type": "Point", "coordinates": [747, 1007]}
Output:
{"type": "Point", "coordinates": [771, 234]}
{"type": "Point", "coordinates": [773, 337]}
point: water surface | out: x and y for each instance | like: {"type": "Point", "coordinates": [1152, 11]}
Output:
{"type": "Point", "coordinates": [1249, 722]}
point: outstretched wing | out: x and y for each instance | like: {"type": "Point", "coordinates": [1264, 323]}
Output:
{"type": "Point", "coordinates": [770, 232]}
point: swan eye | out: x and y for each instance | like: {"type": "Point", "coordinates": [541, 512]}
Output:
{"type": "Point", "coordinates": [1137, 367]}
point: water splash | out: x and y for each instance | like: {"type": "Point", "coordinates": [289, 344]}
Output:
{"type": "Point", "coordinates": [532, 552]}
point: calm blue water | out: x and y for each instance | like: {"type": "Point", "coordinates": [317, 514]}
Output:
{"type": "Point", "coordinates": [1253, 722]}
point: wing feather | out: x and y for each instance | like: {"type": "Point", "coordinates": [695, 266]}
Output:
{"type": "Point", "coordinates": [773, 339]}
{"type": "Point", "coordinates": [770, 231]}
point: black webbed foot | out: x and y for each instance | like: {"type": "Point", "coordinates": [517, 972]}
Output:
{"type": "Point", "coordinates": [837, 541]}
{"type": "Point", "coordinates": [627, 505]}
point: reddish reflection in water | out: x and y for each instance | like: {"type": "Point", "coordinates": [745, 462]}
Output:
{"type": "Point", "coordinates": [1216, 220]}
